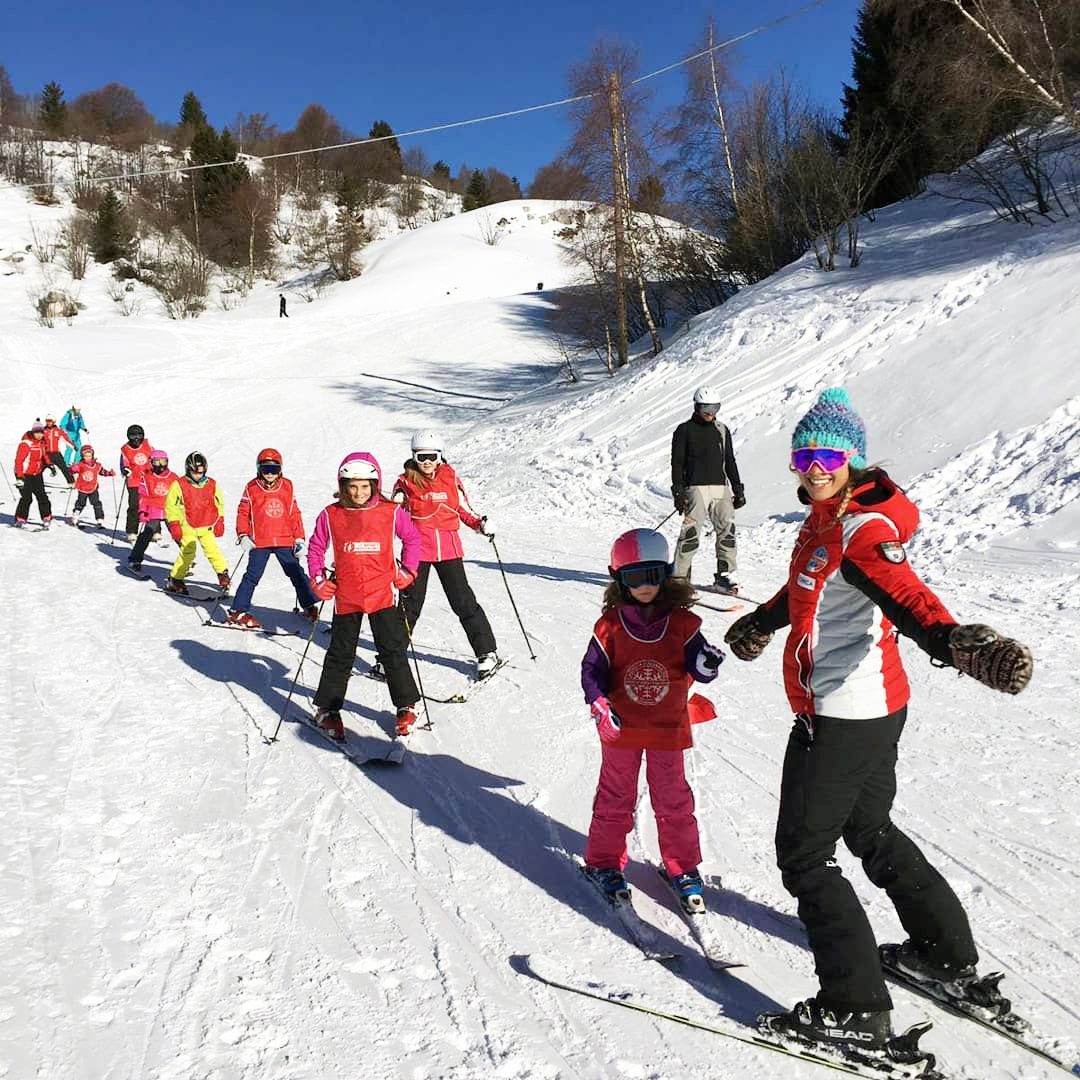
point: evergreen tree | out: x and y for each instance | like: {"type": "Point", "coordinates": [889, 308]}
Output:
{"type": "Point", "coordinates": [440, 175]}
{"type": "Point", "coordinates": [192, 114]}
{"type": "Point", "coordinates": [350, 195]}
{"type": "Point", "coordinates": [390, 149]}
{"type": "Point", "coordinates": [478, 193]}
{"type": "Point", "coordinates": [112, 236]}
{"type": "Point", "coordinates": [53, 110]}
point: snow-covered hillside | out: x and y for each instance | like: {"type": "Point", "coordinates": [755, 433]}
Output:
{"type": "Point", "coordinates": [180, 899]}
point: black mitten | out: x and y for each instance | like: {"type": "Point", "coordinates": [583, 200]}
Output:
{"type": "Point", "coordinates": [1000, 663]}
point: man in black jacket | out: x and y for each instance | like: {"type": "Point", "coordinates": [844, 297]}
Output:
{"type": "Point", "coordinates": [705, 483]}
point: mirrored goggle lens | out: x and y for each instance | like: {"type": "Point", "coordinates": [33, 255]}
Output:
{"type": "Point", "coordinates": [269, 467]}
{"type": "Point", "coordinates": [828, 460]}
{"type": "Point", "coordinates": [633, 577]}
{"type": "Point", "coordinates": [424, 458]}
{"type": "Point", "coordinates": [709, 407]}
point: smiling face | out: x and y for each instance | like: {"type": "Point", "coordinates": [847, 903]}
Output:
{"type": "Point", "coordinates": [821, 485]}
{"type": "Point", "coordinates": [357, 492]}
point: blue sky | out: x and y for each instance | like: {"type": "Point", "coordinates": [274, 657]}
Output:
{"type": "Point", "coordinates": [412, 64]}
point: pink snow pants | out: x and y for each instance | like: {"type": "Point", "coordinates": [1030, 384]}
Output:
{"type": "Point", "coordinates": [613, 809]}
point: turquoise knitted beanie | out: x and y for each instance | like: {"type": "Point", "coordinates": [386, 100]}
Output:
{"type": "Point", "coordinates": [834, 423]}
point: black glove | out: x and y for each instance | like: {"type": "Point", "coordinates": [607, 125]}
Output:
{"type": "Point", "coordinates": [1000, 663]}
{"type": "Point", "coordinates": [680, 497]}
{"type": "Point", "coordinates": [738, 497]}
{"type": "Point", "coordinates": [746, 640]}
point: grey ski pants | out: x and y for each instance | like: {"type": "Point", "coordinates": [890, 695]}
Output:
{"type": "Point", "coordinates": [712, 501]}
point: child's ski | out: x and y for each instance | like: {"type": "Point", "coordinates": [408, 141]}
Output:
{"type": "Point", "coordinates": [704, 928]}
{"type": "Point", "coordinates": [471, 686]}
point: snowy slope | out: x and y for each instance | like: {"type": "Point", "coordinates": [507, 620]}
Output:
{"type": "Point", "coordinates": [181, 899]}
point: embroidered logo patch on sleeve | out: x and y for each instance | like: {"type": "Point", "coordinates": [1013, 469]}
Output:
{"type": "Point", "coordinates": [893, 551]}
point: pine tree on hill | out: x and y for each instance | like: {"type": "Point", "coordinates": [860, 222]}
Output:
{"type": "Point", "coordinates": [192, 119]}
{"type": "Point", "coordinates": [53, 110]}
{"type": "Point", "coordinates": [389, 148]}
{"type": "Point", "coordinates": [478, 193]}
{"type": "Point", "coordinates": [112, 236]}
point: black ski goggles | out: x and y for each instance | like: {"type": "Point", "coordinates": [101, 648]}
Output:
{"type": "Point", "coordinates": [269, 467]}
{"type": "Point", "coordinates": [633, 577]}
{"type": "Point", "coordinates": [424, 457]}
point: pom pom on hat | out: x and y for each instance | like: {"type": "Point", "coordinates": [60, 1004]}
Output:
{"type": "Point", "coordinates": [834, 423]}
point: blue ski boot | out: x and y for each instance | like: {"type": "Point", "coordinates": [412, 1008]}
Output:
{"type": "Point", "coordinates": [688, 888]}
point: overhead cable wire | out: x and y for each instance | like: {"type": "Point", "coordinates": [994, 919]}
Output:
{"type": "Point", "coordinates": [242, 158]}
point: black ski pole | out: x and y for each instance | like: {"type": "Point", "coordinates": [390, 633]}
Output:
{"type": "Point", "coordinates": [224, 589]}
{"type": "Point", "coordinates": [667, 519]}
{"type": "Point", "coordinates": [416, 665]}
{"type": "Point", "coordinates": [288, 700]}
{"type": "Point", "coordinates": [528, 643]}
{"type": "Point", "coordinates": [116, 522]}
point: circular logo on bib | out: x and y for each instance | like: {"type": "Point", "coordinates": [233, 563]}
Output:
{"type": "Point", "coordinates": [275, 508]}
{"type": "Point", "coordinates": [646, 682]}
{"type": "Point", "coordinates": [141, 458]}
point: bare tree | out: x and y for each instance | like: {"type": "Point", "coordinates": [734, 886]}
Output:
{"type": "Point", "coordinates": [1038, 44]}
{"type": "Point", "coordinates": [75, 235]}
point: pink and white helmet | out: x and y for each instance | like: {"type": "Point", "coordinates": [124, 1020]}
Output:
{"type": "Point", "coordinates": [639, 546]}
{"type": "Point", "coordinates": [359, 466]}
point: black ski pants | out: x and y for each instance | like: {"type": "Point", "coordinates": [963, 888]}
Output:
{"type": "Point", "coordinates": [57, 459]}
{"type": "Point", "coordinates": [391, 641]}
{"type": "Point", "coordinates": [33, 487]}
{"type": "Point", "coordinates": [95, 501]}
{"type": "Point", "coordinates": [132, 520]}
{"type": "Point", "coordinates": [462, 600]}
{"type": "Point", "coordinates": [839, 781]}
{"type": "Point", "coordinates": [138, 550]}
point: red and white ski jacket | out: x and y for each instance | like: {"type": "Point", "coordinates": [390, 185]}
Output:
{"type": "Point", "coordinates": [30, 459]}
{"type": "Point", "coordinates": [86, 475]}
{"type": "Point", "coordinates": [437, 511]}
{"type": "Point", "coordinates": [850, 589]}
{"type": "Point", "coordinates": [269, 515]}
{"type": "Point", "coordinates": [153, 491]}
{"type": "Point", "coordinates": [54, 436]}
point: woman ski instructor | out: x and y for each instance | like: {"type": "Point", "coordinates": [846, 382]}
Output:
{"type": "Point", "coordinates": [850, 591]}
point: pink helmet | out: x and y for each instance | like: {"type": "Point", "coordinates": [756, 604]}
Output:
{"type": "Point", "coordinates": [639, 546]}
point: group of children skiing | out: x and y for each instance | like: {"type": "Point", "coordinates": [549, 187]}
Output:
{"type": "Point", "coordinates": [850, 591]}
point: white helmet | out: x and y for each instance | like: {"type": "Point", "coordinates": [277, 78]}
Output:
{"type": "Point", "coordinates": [426, 440]}
{"type": "Point", "coordinates": [357, 469]}
{"type": "Point", "coordinates": [707, 395]}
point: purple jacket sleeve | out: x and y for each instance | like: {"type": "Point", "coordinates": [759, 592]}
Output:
{"type": "Point", "coordinates": [316, 549]}
{"type": "Point", "coordinates": [691, 658]}
{"type": "Point", "coordinates": [595, 672]}
{"type": "Point", "coordinates": [409, 535]}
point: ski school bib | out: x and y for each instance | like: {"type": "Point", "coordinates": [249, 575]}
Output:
{"type": "Point", "coordinates": [649, 681]}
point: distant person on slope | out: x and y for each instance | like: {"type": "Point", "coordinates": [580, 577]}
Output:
{"type": "Point", "coordinates": [850, 591]}
{"type": "Point", "coordinates": [75, 427]}
{"type": "Point", "coordinates": [154, 488]}
{"type": "Point", "coordinates": [30, 465]}
{"type": "Point", "coordinates": [134, 460]}
{"type": "Point", "coordinates": [195, 511]}
{"type": "Point", "coordinates": [646, 650]}
{"type": "Point", "coordinates": [359, 529]}
{"type": "Point", "coordinates": [436, 501]}
{"type": "Point", "coordinates": [282, 313]}
{"type": "Point", "coordinates": [268, 522]}
{"type": "Point", "coordinates": [705, 484]}
{"type": "Point", "coordinates": [86, 472]}
{"type": "Point", "coordinates": [53, 437]}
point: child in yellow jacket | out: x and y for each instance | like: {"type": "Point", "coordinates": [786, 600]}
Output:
{"type": "Point", "coordinates": [195, 512]}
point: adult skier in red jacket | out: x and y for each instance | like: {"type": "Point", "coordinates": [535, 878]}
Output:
{"type": "Point", "coordinates": [850, 591]}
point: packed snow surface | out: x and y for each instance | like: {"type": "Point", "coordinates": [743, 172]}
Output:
{"type": "Point", "coordinates": [180, 898]}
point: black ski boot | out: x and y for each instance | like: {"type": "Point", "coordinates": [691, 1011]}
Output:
{"type": "Point", "coordinates": [821, 1026]}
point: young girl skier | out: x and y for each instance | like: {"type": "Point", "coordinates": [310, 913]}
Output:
{"type": "Point", "coordinates": [850, 590]}
{"type": "Point", "coordinates": [360, 528]}
{"type": "Point", "coordinates": [54, 436]}
{"type": "Point", "coordinates": [268, 522]}
{"type": "Point", "coordinates": [195, 509]}
{"type": "Point", "coordinates": [433, 496]}
{"type": "Point", "coordinates": [646, 649]}
{"type": "Point", "coordinates": [154, 489]}
{"type": "Point", "coordinates": [86, 472]}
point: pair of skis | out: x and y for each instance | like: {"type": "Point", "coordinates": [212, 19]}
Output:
{"type": "Point", "coordinates": [461, 696]}
{"type": "Point", "coordinates": [394, 754]}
